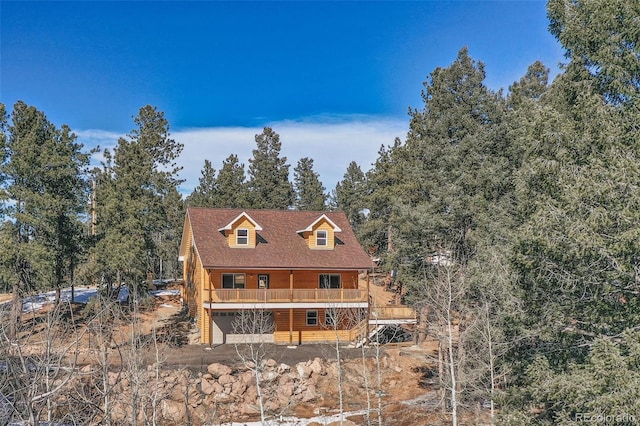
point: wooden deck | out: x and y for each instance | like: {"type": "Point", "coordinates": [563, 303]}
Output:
{"type": "Point", "coordinates": [340, 295]}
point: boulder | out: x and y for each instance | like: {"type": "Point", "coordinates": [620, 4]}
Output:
{"type": "Point", "coordinates": [226, 379]}
{"type": "Point", "coordinates": [317, 367]}
{"type": "Point", "coordinates": [173, 411]}
{"type": "Point", "coordinates": [207, 386]}
{"type": "Point", "coordinates": [251, 394]}
{"type": "Point", "coordinates": [248, 378]}
{"type": "Point", "coordinates": [283, 368]}
{"type": "Point", "coordinates": [238, 387]}
{"type": "Point", "coordinates": [304, 371]}
{"type": "Point", "coordinates": [250, 409]}
{"type": "Point", "coordinates": [216, 370]}
{"type": "Point", "coordinates": [286, 390]}
{"type": "Point", "coordinates": [269, 375]}
{"type": "Point", "coordinates": [310, 394]}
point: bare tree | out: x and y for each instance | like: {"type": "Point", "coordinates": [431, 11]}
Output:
{"type": "Point", "coordinates": [444, 293]}
{"type": "Point", "coordinates": [255, 326]}
{"type": "Point", "coordinates": [340, 320]}
{"type": "Point", "coordinates": [40, 363]}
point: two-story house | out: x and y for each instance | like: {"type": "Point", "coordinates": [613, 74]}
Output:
{"type": "Point", "coordinates": [301, 268]}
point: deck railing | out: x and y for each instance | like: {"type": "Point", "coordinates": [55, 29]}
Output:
{"type": "Point", "coordinates": [392, 313]}
{"type": "Point", "coordinates": [338, 295]}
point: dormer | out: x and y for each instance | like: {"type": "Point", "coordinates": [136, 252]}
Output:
{"type": "Point", "coordinates": [320, 235]}
{"type": "Point", "coordinates": [241, 232]}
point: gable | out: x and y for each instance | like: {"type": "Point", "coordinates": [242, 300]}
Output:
{"type": "Point", "coordinates": [241, 232]}
{"type": "Point", "coordinates": [320, 235]}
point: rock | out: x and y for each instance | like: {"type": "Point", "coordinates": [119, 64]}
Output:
{"type": "Point", "coordinates": [251, 394]}
{"type": "Point", "coordinates": [238, 387]}
{"type": "Point", "coordinates": [286, 390]}
{"type": "Point", "coordinates": [317, 367]}
{"type": "Point", "coordinates": [173, 411]}
{"type": "Point", "coordinates": [207, 387]}
{"type": "Point", "coordinates": [248, 378]}
{"type": "Point", "coordinates": [285, 379]}
{"type": "Point", "coordinates": [226, 379]}
{"type": "Point", "coordinates": [216, 370]}
{"type": "Point", "coordinates": [270, 363]}
{"type": "Point", "coordinates": [250, 409]}
{"type": "Point", "coordinates": [309, 394]}
{"type": "Point", "coordinates": [303, 370]}
{"type": "Point", "coordinates": [283, 368]}
{"type": "Point", "coordinates": [268, 376]}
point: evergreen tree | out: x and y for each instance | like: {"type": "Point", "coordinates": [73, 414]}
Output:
{"type": "Point", "coordinates": [384, 184]}
{"type": "Point", "coordinates": [458, 186]}
{"type": "Point", "coordinates": [131, 196]}
{"type": "Point", "coordinates": [206, 193]}
{"type": "Point", "coordinates": [232, 188]}
{"type": "Point", "coordinates": [43, 180]}
{"type": "Point", "coordinates": [269, 186]}
{"type": "Point", "coordinates": [602, 39]}
{"type": "Point", "coordinates": [308, 188]}
{"type": "Point", "coordinates": [350, 195]}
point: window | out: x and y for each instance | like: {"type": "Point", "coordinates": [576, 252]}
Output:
{"type": "Point", "coordinates": [233, 280]}
{"type": "Point", "coordinates": [263, 281]}
{"type": "Point", "coordinates": [321, 238]}
{"type": "Point", "coordinates": [330, 317]}
{"type": "Point", "coordinates": [242, 237]}
{"type": "Point", "coordinates": [312, 317]}
{"type": "Point", "coordinates": [329, 280]}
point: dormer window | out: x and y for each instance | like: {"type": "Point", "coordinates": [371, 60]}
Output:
{"type": "Point", "coordinates": [321, 238]}
{"type": "Point", "coordinates": [242, 237]}
{"type": "Point", "coordinates": [320, 235]}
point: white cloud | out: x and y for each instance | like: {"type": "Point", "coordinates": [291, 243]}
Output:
{"type": "Point", "coordinates": [97, 138]}
{"type": "Point", "coordinates": [331, 141]}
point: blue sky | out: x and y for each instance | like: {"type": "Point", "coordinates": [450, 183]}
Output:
{"type": "Point", "coordinates": [334, 79]}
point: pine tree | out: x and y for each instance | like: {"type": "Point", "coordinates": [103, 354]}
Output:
{"type": "Point", "coordinates": [43, 178]}
{"type": "Point", "coordinates": [206, 193]}
{"type": "Point", "coordinates": [232, 188]}
{"type": "Point", "coordinates": [458, 185]}
{"type": "Point", "coordinates": [132, 188]}
{"type": "Point", "coordinates": [350, 193]}
{"type": "Point", "coordinates": [269, 186]}
{"type": "Point", "coordinates": [602, 39]}
{"type": "Point", "coordinates": [308, 188]}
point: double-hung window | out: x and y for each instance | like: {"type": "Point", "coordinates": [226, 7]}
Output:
{"type": "Point", "coordinates": [242, 237]}
{"type": "Point", "coordinates": [321, 238]}
{"type": "Point", "coordinates": [312, 317]}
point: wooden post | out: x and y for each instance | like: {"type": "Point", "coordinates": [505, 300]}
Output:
{"type": "Point", "coordinates": [291, 309]}
{"type": "Point", "coordinates": [368, 296]}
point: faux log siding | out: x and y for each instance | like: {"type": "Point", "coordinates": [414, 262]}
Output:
{"type": "Point", "coordinates": [277, 280]}
{"type": "Point", "coordinates": [283, 338]}
{"type": "Point", "coordinates": [281, 319]}
{"type": "Point", "coordinates": [203, 321]}
{"type": "Point", "coordinates": [311, 237]}
{"type": "Point", "coordinates": [243, 223]}
{"type": "Point", "coordinates": [280, 279]}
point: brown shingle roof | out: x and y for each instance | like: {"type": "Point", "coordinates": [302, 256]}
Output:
{"type": "Point", "coordinates": [280, 246]}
